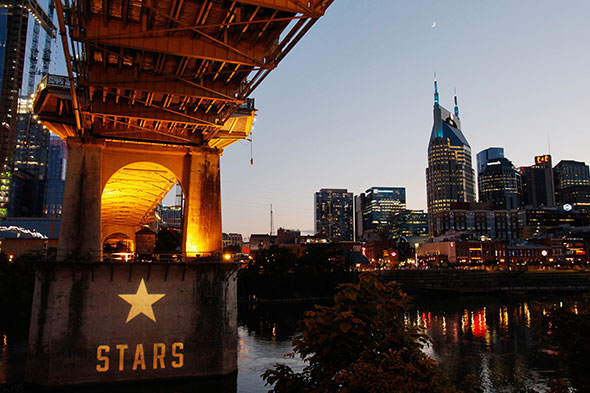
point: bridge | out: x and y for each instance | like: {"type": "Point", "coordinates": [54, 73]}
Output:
{"type": "Point", "coordinates": [166, 83]}
{"type": "Point", "coordinates": [155, 91]}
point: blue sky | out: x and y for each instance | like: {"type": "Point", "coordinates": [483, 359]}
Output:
{"type": "Point", "coordinates": [351, 105]}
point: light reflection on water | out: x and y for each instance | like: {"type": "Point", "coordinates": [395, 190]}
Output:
{"type": "Point", "coordinates": [257, 353]}
{"type": "Point", "coordinates": [491, 338]}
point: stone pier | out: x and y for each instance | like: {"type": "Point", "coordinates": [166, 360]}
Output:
{"type": "Point", "coordinates": [120, 322]}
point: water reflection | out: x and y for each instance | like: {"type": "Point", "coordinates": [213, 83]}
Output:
{"type": "Point", "coordinates": [490, 338]}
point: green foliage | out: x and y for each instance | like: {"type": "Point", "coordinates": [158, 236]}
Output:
{"type": "Point", "coordinates": [278, 273]}
{"type": "Point", "coordinates": [322, 258]}
{"type": "Point", "coordinates": [361, 344]}
{"type": "Point", "coordinates": [275, 260]}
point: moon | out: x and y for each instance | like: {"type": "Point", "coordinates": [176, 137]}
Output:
{"type": "Point", "coordinates": [433, 25]}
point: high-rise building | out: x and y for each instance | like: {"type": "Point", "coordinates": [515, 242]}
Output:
{"type": "Point", "coordinates": [449, 176]}
{"type": "Point", "coordinates": [13, 36]}
{"type": "Point", "coordinates": [14, 18]}
{"type": "Point", "coordinates": [334, 213]}
{"type": "Point", "coordinates": [13, 40]}
{"type": "Point", "coordinates": [29, 164]}
{"type": "Point", "coordinates": [537, 188]}
{"type": "Point", "coordinates": [572, 184]}
{"type": "Point", "coordinates": [56, 177]}
{"type": "Point", "coordinates": [497, 180]}
{"type": "Point", "coordinates": [486, 155]}
{"type": "Point", "coordinates": [411, 225]}
{"type": "Point", "coordinates": [378, 205]}
{"type": "Point", "coordinates": [570, 173]}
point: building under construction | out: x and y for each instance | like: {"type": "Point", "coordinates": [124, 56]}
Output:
{"type": "Point", "coordinates": [14, 19]}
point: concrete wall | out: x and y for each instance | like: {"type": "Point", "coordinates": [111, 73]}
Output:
{"type": "Point", "coordinates": [82, 331]}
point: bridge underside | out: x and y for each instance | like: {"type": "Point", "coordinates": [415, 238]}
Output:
{"type": "Point", "coordinates": [170, 73]}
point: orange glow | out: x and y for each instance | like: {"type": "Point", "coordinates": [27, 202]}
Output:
{"type": "Point", "coordinates": [227, 257]}
{"type": "Point", "coordinates": [133, 192]}
{"type": "Point", "coordinates": [542, 159]}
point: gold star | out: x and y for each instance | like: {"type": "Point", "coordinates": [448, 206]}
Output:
{"type": "Point", "coordinates": [141, 302]}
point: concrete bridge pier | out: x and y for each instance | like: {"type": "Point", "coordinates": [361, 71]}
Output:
{"type": "Point", "coordinates": [80, 235]}
{"type": "Point", "coordinates": [98, 322]}
{"type": "Point", "coordinates": [92, 166]}
{"type": "Point", "coordinates": [131, 322]}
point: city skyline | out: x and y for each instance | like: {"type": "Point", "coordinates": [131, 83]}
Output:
{"type": "Point", "coordinates": [351, 108]}
{"type": "Point", "coordinates": [519, 81]}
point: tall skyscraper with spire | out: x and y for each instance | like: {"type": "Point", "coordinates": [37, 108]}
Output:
{"type": "Point", "coordinates": [449, 176]}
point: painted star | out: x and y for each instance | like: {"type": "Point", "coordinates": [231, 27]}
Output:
{"type": "Point", "coordinates": [141, 302]}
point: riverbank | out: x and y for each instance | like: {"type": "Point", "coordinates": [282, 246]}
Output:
{"type": "Point", "coordinates": [477, 282]}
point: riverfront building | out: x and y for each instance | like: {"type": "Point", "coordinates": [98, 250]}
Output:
{"type": "Point", "coordinates": [334, 213]}
{"type": "Point", "coordinates": [475, 220]}
{"type": "Point", "coordinates": [449, 176]}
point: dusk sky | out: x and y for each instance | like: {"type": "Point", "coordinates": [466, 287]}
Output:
{"type": "Point", "coordinates": [351, 105]}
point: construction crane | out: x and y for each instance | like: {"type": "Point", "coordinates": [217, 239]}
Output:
{"type": "Point", "coordinates": [47, 47]}
{"type": "Point", "coordinates": [33, 58]}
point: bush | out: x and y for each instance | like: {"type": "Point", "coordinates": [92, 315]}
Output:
{"type": "Point", "coordinates": [361, 344]}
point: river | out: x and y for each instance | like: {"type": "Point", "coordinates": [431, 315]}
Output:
{"type": "Point", "coordinates": [490, 337]}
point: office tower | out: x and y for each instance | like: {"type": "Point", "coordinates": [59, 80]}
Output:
{"type": "Point", "coordinates": [29, 164]}
{"type": "Point", "coordinates": [497, 180]}
{"type": "Point", "coordinates": [56, 176]}
{"type": "Point", "coordinates": [378, 205]}
{"type": "Point", "coordinates": [537, 188]}
{"type": "Point", "coordinates": [449, 176]}
{"type": "Point", "coordinates": [411, 225]}
{"type": "Point", "coordinates": [14, 18]}
{"type": "Point", "coordinates": [486, 155]}
{"type": "Point", "coordinates": [13, 39]}
{"type": "Point", "coordinates": [572, 184]}
{"type": "Point", "coordinates": [333, 213]}
{"type": "Point", "coordinates": [570, 173]}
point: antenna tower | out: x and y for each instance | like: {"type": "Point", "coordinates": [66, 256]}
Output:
{"type": "Point", "coordinates": [272, 221]}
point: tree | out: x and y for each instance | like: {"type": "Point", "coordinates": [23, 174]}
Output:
{"type": "Point", "coordinates": [361, 344]}
{"type": "Point", "coordinates": [567, 331]}
{"type": "Point", "coordinates": [167, 241]}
